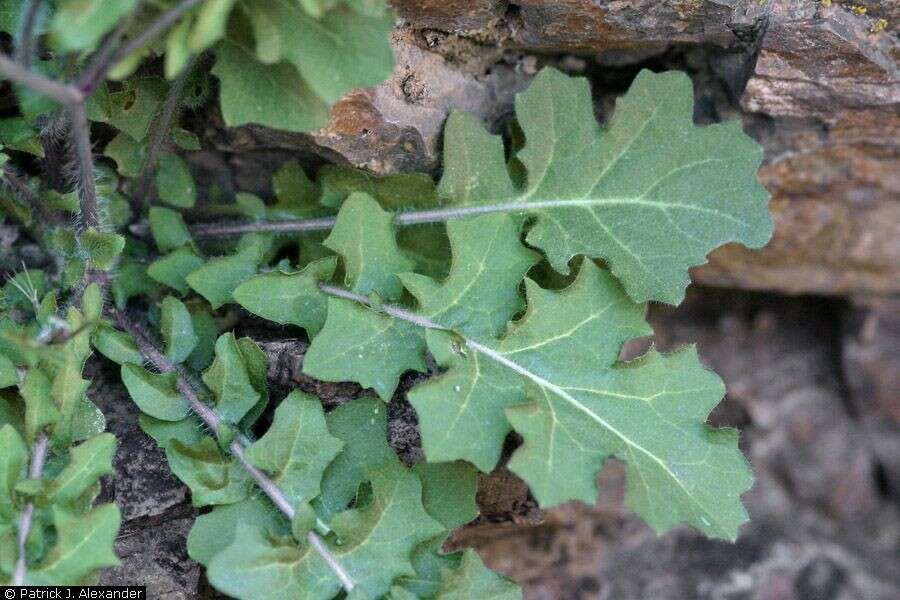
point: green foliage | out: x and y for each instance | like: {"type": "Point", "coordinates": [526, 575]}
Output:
{"type": "Point", "coordinates": [513, 283]}
{"type": "Point", "coordinates": [70, 538]}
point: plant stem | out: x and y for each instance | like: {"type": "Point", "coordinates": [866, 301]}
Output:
{"type": "Point", "coordinates": [213, 421]}
{"type": "Point", "coordinates": [38, 455]}
{"type": "Point", "coordinates": [24, 193]}
{"type": "Point", "coordinates": [413, 217]}
{"type": "Point", "coordinates": [62, 93]}
{"type": "Point", "coordinates": [25, 45]}
{"type": "Point", "coordinates": [87, 189]}
{"type": "Point", "coordinates": [105, 61]}
{"type": "Point", "coordinates": [161, 130]}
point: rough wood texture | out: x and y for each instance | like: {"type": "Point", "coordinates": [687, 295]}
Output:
{"type": "Point", "coordinates": [817, 85]}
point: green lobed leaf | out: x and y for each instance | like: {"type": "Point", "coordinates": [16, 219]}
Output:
{"type": "Point", "coordinates": [297, 447]}
{"type": "Point", "coordinates": [361, 426]}
{"type": "Point", "coordinates": [217, 278]}
{"type": "Point", "coordinates": [289, 298]}
{"type": "Point", "coordinates": [364, 237]}
{"type": "Point", "coordinates": [230, 380]}
{"type": "Point", "coordinates": [376, 542]}
{"type": "Point", "coordinates": [359, 344]}
{"type": "Point", "coordinates": [481, 293]}
{"type": "Point", "coordinates": [88, 461]}
{"type": "Point", "coordinates": [651, 194]}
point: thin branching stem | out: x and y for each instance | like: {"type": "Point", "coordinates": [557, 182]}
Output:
{"type": "Point", "coordinates": [412, 217]}
{"type": "Point", "coordinates": [161, 130]}
{"type": "Point", "coordinates": [25, 45]}
{"type": "Point", "coordinates": [213, 422]}
{"type": "Point", "coordinates": [105, 61]}
{"type": "Point", "coordinates": [62, 93]}
{"type": "Point", "coordinates": [35, 470]}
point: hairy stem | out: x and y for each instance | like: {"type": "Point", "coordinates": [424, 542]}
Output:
{"type": "Point", "coordinates": [87, 188]}
{"type": "Point", "coordinates": [105, 61]}
{"type": "Point", "coordinates": [26, 195]}
{"type": "Point", "coordinates": [161, 130]}
{"type": "Point", "coordinates": [35, 469]}
{"type": "Point", "coordinates": [25, 45]}
{"type": "Point", "coordinates": [213, 421]}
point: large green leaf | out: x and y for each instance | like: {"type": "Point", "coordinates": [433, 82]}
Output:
{"type": "Point", "coordinates": [651, 193]}
{"type": "Point", "coordinates": [342, 49]}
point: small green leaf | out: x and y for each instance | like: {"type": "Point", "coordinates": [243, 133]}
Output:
{"type": "Point", "coordinates": [172, 270]}
{"type": "Point", "coordinates": [217, 529]}
{"type": "Point", "coordinates": [154, 393]}
{"type": "Point", "coordinates": [213, 477]}
{"type": "Point", "coordinates": [229, 380]}
{"type": "Point", "coordinates": [364, 237]}
{"type": "Point", "coordinates": [89, 461]}
{"type": "Point", "coordinates": [116, 345]}
{"type": "Point", "coordinates": [397, 192]}
{"type": "Point", "coordinates": [289, 298]}
{"type": "Point", "coordinates": [217, 278]}
{"type": "Point", "coordinates": [177, 329]}
{"type": "Point", "coordinates": [131, 280]}
{"type": "Point", "coordinates": [40, 411]}
{"type": "Point", "coordinates": [296, 448]}
{"type": "Point", "coordinates": [209, 26]}
{"type": "Point", "coordinates": [174, 182]}
{"type": "Point", "coordinates": [83, 544]}
{"type": "Point", "coordinates": [168, 228]}
{"type": "Point", "coordinates": [270, 95]}
{"type": "Point", "coordinates": [103, 248]}
{"type": "Point", "coordinates": [13, 461]}
{"type": "Point", "coordinates": [9, 375]}
{"type": "Point", "coordinates": [128, 154]}
{"type": "Point", "coordinates": [205, 327]}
